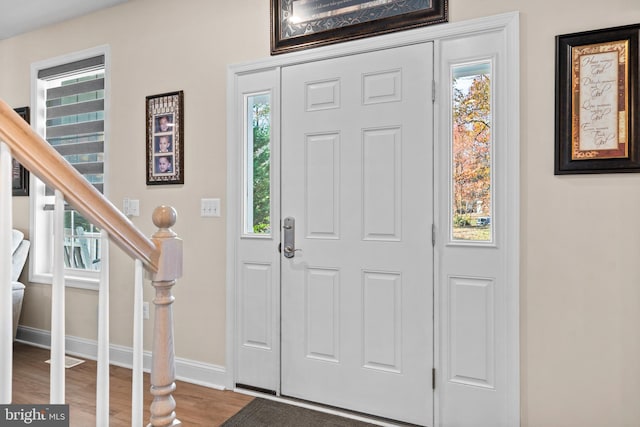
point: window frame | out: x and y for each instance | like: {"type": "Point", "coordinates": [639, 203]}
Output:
{"type": "Point", "coordinates": [248, 168]}
{"type": "Point", "coordinates": [40, 223]}
{"type": "Point", "coordinates": [451, 241]}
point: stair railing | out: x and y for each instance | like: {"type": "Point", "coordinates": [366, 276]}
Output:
{"type": "Point", "coordinates": [160, 256]}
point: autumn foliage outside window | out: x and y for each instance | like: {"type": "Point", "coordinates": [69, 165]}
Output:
{"type": "Point", "coordinates": [471, 153]}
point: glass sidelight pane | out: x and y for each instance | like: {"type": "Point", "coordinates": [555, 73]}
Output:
{"type": "Point", "coordinates": [257, 204]}
{"type": "Point", "coordinates": [471, 152]}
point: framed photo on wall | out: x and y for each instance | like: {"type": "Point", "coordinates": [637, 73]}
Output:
{"type": "Point", "coordinates": [303, 24]}
{"type": "Point", "coordinates": [20, 175]}
{"type": "Point", "coordinates": [165, 138]}
{"type": "Point", "coordinates": [597, 93]}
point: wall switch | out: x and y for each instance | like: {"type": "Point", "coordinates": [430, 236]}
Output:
{"type": "Point", "coordinates": [131, 207]}
{"type": "Point", "coordinates": [145, 309]}
{"type": "Point", "coordinates": [134, 207]}
{"type": "Point", "coordinates": [209, 207]}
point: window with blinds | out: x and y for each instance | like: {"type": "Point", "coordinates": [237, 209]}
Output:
{"type": "Point", "coordinates": [75, 115]}
{"type": "Point", "coordinates": [74, 126]}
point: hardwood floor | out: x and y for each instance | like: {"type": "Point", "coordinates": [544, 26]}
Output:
{"type": "Point", "coordinates": [196, 405]}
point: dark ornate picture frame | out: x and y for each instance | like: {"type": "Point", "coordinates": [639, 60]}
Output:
{"type": "Point", "coordinates": [20, 175]}
{"type": "Point", "coordinates": [165, 138]}
{"type": "Point", "coordinates": [303, 24]}
{"type": "Point", "coordinates": [597, 95]}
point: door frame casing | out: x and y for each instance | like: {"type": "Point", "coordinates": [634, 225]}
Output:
{"type": "Point", "coordinates": [508, 24]}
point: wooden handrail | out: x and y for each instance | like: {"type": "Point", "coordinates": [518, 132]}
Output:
{"type": "Point", "coordinates": [42, 160]}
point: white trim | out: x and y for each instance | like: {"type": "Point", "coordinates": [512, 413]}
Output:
{"type": "Point", "coordinates": [419, 35]}
{"type": "Point", "coordinates": [512, 30]}
{"type": "Point", "coordinates": [187, 370]}
{"type": "Point", "coordinates": [71, 281]}
{"type": "Point", "coordinates": [437, 312]}
{"type": "Point", "coordinates": [6, 298]}
{"type": "Point", "coordinates": [507, 22]}
{"type": "Point", "coordinates": [232, 226]}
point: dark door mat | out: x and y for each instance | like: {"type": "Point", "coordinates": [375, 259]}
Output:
{"type": "Point", "coordinates": [264, 412]}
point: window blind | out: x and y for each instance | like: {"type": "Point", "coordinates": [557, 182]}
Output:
{"type": "Point", "coordinates": [75, 115]}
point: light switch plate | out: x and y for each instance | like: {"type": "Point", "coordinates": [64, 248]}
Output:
{"type": "Point", "coordinates": [131, 207]}
{"type": "Point", "coordinates": [209, 207]}
{"type": "Point", "coordinates": [134, 207]}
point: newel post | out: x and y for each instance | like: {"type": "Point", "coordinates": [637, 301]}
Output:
{"type": "Point", "coordinates": [163, 366]}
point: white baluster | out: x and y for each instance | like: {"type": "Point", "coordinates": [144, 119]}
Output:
{"type": "Point", "coordinates": [163, 367]}
{"type": "Point", "coordinates": [102, 386]}
{"type": "Point", "coordinates": [57, 385]}
{"type": "Point", "coordinates": [137, 388]}
{"type": "Point", "coordinates": [6, 308]}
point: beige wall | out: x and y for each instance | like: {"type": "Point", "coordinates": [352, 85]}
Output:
{"type": "Point", "coordinates": [580, 250]}
{"type": "Point", "coordinates": [156, 47]}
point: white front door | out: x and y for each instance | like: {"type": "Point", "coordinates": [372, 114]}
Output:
{"type": "Point", "coordinates": [357, 188]}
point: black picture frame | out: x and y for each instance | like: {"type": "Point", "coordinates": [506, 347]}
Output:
{"type": "Point", "coordinates": [165, 138]}
{"type": "Point", "coordinates": [596, 104]}
{"type": "Point", "coordinates": [19, 174]}
{"type": "Point", "coordinates": [322, 22]}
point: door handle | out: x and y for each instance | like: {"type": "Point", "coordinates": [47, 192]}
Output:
{"type": "Point", "coordinates": [289, 237]}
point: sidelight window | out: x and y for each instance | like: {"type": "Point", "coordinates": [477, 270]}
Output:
{"type": "Point", "coordinates": [257, 181]}
{"type": "Point", "coordinates": [471, 152]}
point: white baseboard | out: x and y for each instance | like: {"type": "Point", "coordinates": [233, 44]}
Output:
{"type": "Point", "coordinates": [191, 371]}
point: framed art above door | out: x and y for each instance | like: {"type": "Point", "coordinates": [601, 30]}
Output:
{"type": "Point", "coordinates": [303, 24]}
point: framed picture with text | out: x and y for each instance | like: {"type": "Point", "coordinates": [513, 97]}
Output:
{"type": "Point", "coordinates": [597, 92]}
{"type": "Point", "coordinates": [20, 175]}
{"type": "Point", "coordinates": [165, 138]}
{"type": "Point", "coordinates": [303, 24]}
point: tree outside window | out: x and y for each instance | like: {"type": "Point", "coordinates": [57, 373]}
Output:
{"type": "Point", "coordinates": [261, 168]}
{"type": "Point", "coordinates": [471, 156]}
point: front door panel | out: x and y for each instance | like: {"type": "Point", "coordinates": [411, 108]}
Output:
{"type": "Point", "coordinates": [357, 186]}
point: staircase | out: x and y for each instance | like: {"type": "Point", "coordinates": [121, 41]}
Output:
{"type": "Point", "coordinates": [160, 256]}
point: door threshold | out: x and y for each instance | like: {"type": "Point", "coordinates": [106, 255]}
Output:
{"type": "Point", "coordinates": [358, 416]}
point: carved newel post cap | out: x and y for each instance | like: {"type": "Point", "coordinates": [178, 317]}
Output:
{"type": "Point", "coordinates": [164, 217]}
{"type": "Point", "coordinates": [168, 244]}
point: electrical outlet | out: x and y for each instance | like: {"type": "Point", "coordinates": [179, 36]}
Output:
{"type": "Point", "coordinates": [145, 309]}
